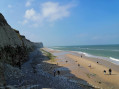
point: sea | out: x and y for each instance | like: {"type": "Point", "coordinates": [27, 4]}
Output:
{"type": "Point", "coordinates": [106, 52]}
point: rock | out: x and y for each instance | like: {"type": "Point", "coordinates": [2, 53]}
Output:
{"type": "Point", "coordinates": [39, 45]}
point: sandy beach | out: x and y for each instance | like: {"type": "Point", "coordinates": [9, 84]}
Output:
{"type": "Point", "coordinates": [78, 67]}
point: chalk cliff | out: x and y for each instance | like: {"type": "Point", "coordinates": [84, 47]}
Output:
{"type": "Point", "coordinates": [14, 47]}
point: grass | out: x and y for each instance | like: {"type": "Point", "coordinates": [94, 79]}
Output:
{"type": "Point", "coordinates": [49, 55]}
{"type": "Point", "coordinates": [89, 75]}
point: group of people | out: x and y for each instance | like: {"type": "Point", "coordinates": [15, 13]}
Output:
{"type": "Point", "coordinates": [110, 71]}
{"type": "Point", "coordinates": [58, 72]}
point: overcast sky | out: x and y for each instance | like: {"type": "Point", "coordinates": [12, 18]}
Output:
{"type": "Point", "coordinates": [64, 22]}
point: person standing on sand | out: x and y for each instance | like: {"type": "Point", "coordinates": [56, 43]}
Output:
{"type": "Point", "coordinates": [104, 72]}
{"type": "Point", "coordinates": [79, 65]}
{"type": "Point", "coordinates": [81, 56]}
{"type": "Point", "coordinates": [110, 71]}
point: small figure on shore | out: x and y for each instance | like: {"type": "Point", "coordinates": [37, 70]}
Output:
{"type": "Point", "coordinates": [89, 65]}
{"type": "Point", "coordinates": [54, 73]}
{"type": "Point", "coordinates": [81, 56]}
{"type": "Point", "coordinates": [104, 72]}
{"type": "Point", "coordinates": [110, 71]}
{"type": "Point", "coordinates": [66, 61]}
{"type": "Point", "coordinates": [97, 62]}
{"type": "Point", "coordinates": [58, 72]}
{"type": "Point", "coordinates": [78, 64]}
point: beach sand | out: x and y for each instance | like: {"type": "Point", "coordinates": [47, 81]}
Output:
{"type": "Point", "coordinates": [93, 75]}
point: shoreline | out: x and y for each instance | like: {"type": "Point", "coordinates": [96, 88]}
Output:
{"type": "Point", "coordinates": [94, 75]}
{"type": "Point", "coordinates": [103, 60]}
{"type": "Point", "coordinates": [110, 59]}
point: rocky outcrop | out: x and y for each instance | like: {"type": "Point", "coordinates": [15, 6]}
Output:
{"type": "Point", "coordinates": [14, 47]}
{"type": "Point", "coordinates": [39, 45]}
{"type": "Point", "coordinates": [2, 20]}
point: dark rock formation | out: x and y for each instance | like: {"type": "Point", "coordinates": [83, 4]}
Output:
{"type": "Point", "coordinates": [2, 20]}
{"type": "Point", "coordinates": [39, 45]}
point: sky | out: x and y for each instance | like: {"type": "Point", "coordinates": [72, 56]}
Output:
{"type": "Point", "coordinates": [64, 22]}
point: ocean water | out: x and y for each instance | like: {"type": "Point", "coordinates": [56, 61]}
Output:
{"type": "Point", "coordinates": [107, 52]}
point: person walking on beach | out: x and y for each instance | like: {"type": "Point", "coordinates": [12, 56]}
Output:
{"type": "Point", "coordinates": [104, 72]}
{"type": "Point", "coordinates": [79, 65]}
{"type": "Point", "coordinates": [58, 72]}
{"type": "Point", "coordinates": [54, 73]}
{"type": "Point", "coordinates": [110, 71]}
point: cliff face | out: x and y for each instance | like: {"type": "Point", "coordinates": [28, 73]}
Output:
{"type": "Point", "coordinates": [2, 20]}
{"type": "Point", "coordinates": [14, 47]}
{"type": "Point", "coordinates": [39, 45]}
{"type": "Point", "coordinates": [9, 36]}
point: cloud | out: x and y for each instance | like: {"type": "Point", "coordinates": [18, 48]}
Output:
{"type": "Point", "coordinates": [48, 12]}
{"type": "Point", "coordinates": [53, 11]}
{"type": "Point", "coordinates": [28, 3]}
{"type": "Point", "coordinates": [29, 13]}
{"type": "Point", "coordinates": [24, 22]}
{"type": "Point", "coordinates": [9, 6]}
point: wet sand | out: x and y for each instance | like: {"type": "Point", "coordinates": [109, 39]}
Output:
{"type": "Point", "coordinates": [93, 75]}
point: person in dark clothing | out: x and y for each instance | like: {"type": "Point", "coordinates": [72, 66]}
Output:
{"type": "Point", "coordinates": [54, 73]}
{"type": "Point", "coordinates": [81, 56]}
{"type": "Point", "coordinates": [104, 71]}
{"type": "Point", "coordinates": [79, 65]}
{"type": "Point", "coordinates": [110, 71]}
{"type": "Point", "coordinates": [58, 72]}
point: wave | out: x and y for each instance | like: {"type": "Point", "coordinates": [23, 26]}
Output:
{"type": "Point", "coordinates": [92, 56]}
{"type": "Point", "coordinates": [50, 48]}
{"type": "Point", "coordinates": [110, 59]}
{"type": "Point", "coordinates": [114, 59]}
{"type": "Point", "coordinates": [100, 49]}
{"type": "Point", "coordinates": [54, 49]}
